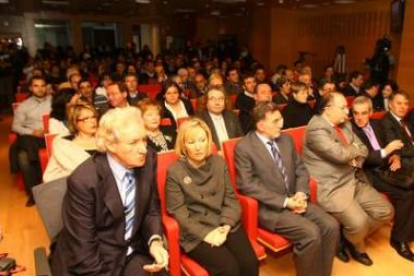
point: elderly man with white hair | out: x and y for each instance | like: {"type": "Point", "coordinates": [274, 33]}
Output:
{"type": "Point", "coordinates": [111, 218]}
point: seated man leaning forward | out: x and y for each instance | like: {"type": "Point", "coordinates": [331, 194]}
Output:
{"type": "Point", "coordinates": [334, 155]}
{"type": "Point", "coordinates": [111, 218]}
{"type": "Point", "coordinates": [270, 170]}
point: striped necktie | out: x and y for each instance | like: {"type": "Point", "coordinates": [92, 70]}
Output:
{"type": "Point", "coordinates": [279, 162]}
{"type": "Point", "coordinates": [129, 204]}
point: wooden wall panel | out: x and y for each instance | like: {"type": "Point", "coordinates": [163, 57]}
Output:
{"type": "Point", "coordinates": [406, 65]}
{"type": "Point", "coordinates": [319, 31]}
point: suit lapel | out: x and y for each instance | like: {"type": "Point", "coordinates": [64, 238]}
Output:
{"type": "Point", "coordinates": [229, 124]}
{"type": "Point", "coordinates": [110, 193]}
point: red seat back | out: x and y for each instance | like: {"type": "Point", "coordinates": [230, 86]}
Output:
{"type": "Point", "coordinates": [228, 151]}
{"type": "Point", "coordinates": [45, 119]}
{"type": "Point", "coordinates": [21, 96]}
{"type": "Point", "coordinates": [378, 115]}
{"type": "Point", "coordinates": [165, 122]}
{"type": "Point", "coordinates": [350, 100]}
{"type": "Point", "coordinates": [298, 134]}
{"type": "Point", "coordinates": [150, 89]}
{"type": "Point", "coordinates": [49, 142]}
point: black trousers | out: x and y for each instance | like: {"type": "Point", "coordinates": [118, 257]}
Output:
{"type": "Point", "coordinates": [403, 202]}
{"type": "Point", "coordinates": [235, 257]}
{"type": "Point", "coordinates": [28, 159]}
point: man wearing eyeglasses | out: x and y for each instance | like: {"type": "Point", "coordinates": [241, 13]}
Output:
{"type": "Point", "coordinates": [334, 155]}
{"type": "Point", "coordinates": [111, 217]}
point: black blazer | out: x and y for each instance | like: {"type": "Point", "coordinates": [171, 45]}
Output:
{"type": "Point", "coordinates": [167, 114]}
{"type": "Point", "coordinates": [393, 131]}
{"type": "Point", "coordinates": [92, 239]}
{"type": "Point", "coordinates": [230, 120]}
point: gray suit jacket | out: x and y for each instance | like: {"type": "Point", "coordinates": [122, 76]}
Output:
{"type": "Point", "coordinates": [258, 175]}
{"type": "Point", "coordinates": [327, 159]}
{"type": "Point", "coordinates": [230, 120]}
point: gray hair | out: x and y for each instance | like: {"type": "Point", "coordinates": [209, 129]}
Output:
{"type": "Point", "coordinates": [113, 121]}
{"type": "Point", "coordinates": [363, 100]}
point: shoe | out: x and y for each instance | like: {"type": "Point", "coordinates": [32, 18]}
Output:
{"type": "Point", "coordinates": [360, 257]}
{"type": "Point", "coordinates": [30, 202]}
{"type": "Point", "coordinates": [342, 255]}
{"type": "Point", "coordinates": [403, 249]}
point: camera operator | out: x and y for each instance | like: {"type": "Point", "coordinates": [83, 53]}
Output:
{"type": "Point", "coordinates": [4, 260]}
{"type": "Point", "coordinates": [382, 61]}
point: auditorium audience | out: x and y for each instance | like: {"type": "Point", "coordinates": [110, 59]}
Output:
{"type": "Point", "coordinates": [297, 112]}
{"type": "Point", "coordinates": [160, 137]}
{"type": "Point", "coordinates": [284, 92]}
{"type": "Point", "coordinates": [270, 170]}
{"type": "Point", "coordinates": [356, 79]}
{"type": "Point", "coordinates": [223, 124]}
{"type": "Point", "coordinates": [388, 88]}
{"type": "Point", "coordinates": [383, 168]}
{"type": "Point", "coordinates": [174, 106]}
{"type": "Point", "coordinates": [199, 180]}
{"type": "Point", "coordinates": [117, 93]}
{"type": "Point", "coordinates": [69, 151]}
{"type": "Point", "coordinates": [28, 124]}
{"type": "Point", "coordinates": [397, 127]}
{"type": "Point", "coordinates": [245, 102]}
{"type": "Point", "coordinates": [58, 119]}
{"type": "Point", "coordinates": [134, 96]}
{"type": "Point", "coordinates": [334, 155]}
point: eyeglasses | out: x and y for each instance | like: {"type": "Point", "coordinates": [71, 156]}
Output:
{"type": "Point", "coordinates": [86, 119]}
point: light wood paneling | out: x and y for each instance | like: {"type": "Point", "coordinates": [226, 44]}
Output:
{"type": "Point", "coordinates": [406, 66]}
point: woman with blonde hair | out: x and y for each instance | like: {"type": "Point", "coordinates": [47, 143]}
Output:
{"type": "Point", "coordinates": [71, 150]}
{"type": "Point", "coordinates": [201, 198]}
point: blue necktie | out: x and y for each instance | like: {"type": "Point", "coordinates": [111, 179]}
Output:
{"type": "Point", "coordinates": [279, 162]}
{"type": "Point", "coordinates": [129, 204]}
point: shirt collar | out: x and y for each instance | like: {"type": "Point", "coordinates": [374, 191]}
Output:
{"type": "Point", "coordinates": [215, 116]}
{"type": "Point", "coordinates": [248, 94]}
{"type": "Point", "coordinates": [117, 169]}
{"type": "Point", "coordinates": [396, 117]}
{"type": "Point", "coordinates": [264, 139]}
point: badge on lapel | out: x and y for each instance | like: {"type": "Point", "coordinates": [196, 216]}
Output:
{"type": "Point", "coordinates": [187, 180]}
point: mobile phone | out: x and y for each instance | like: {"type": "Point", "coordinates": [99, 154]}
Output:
{"type": "Point", "coordinates": [7, 264]}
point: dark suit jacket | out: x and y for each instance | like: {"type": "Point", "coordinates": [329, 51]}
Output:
{"type": "Point", "coordinates": [135, 100]}
{"type": "Point", "coordinates": [259, 177]}
{"type": "Point", "coordinates": [373, 159]}
{"type": "Point", "coordinates": [245, 104]}
{"type": "Point", "coordinates": [92, 239]}
{"type": "Point", "coordinates": [393, 131]}
{"type": "Point", "coordinates": [349, 91]}
{"type": "Point", "coordinates": [230, 120]}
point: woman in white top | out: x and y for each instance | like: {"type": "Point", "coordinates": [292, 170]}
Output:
{"type": "Point", "coordinates": [71, 150]}
{"type": "Point", "coordinates": [174, 106]}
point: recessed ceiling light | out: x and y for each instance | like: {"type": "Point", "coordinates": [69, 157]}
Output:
{"type": "Point", "coordinates": [309, 6]}
{"type": "Point", "coordinates": [143, 1]}
{"type": "Point", "coordinates": [344, 1]}
{"type": "Point", "coordinates": [216, 12]}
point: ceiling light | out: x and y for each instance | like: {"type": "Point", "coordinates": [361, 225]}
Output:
{"type": "Point", "coordinates": [4, 1]}
{"type": "Point", "coordinates": [55, 3]}
{"type": "Point", "coordinates": [309, 6]}
{"type": "Point", "coordinates": [143, 1]}
{"type": "Point", "coordinates": [344, 1]}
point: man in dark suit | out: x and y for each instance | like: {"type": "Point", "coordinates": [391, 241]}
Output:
{"type": "Point", "coordinates": [223, 124]}
{"type": "Point", "coordinates": [356, 79]}
{"type": "Point", "coordinates": [270, 170]}
{"type": "Point", "coordinates": [397, 128]}
{"type": "Point", "coordinates": [111, 219]}
{"type": "Point", "coordinates": [381, 158]}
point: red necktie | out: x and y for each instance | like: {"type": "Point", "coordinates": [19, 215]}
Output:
{"type": "Point", "coordinates": [341, 135]}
